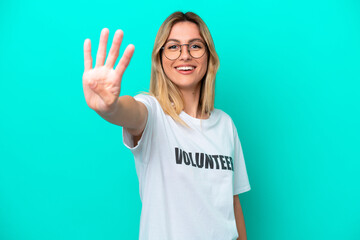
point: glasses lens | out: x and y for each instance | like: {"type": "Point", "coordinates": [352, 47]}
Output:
{"type": "Point", "coordinates": [172, 50]}
{"type": "Point", "coordinates": [197, 49]}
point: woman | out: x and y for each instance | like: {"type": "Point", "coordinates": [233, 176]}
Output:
{"type": "Point", "coordinates": [188, 156]}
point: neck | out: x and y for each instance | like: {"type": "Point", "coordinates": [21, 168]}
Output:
{"type": "Point", "coordinates": [191, 102]}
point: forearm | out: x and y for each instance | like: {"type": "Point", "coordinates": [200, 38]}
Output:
{"type": "Point", "coordinates": [239, 217]}
{"type": "Point", "coordinates": [127, 113]}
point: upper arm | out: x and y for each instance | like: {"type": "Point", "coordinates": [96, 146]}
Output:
{"type": "Point", "coordinates": [141, 115]}
{"type": "Point", "coordinates": [139, 121]}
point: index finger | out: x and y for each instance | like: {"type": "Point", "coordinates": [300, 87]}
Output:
{"type": "Point", "coordinates": [87, 55]}
{"type": "Point", "coordinates": [125, 59]}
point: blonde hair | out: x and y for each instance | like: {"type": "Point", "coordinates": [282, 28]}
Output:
{"type": "Point", "coordinates": [161, 87]}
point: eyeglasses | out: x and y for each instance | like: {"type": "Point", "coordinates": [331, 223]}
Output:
{"type": "Point", "coordinates": [172, 50]}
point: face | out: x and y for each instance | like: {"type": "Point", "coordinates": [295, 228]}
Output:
{"type": "Point", "coordinates": [186, 72]}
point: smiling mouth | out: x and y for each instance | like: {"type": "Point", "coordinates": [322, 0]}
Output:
{"type": "Point", "coordinates": [183, 68]}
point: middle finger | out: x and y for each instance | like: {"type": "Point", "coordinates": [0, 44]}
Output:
{"type": "Point", "coordinates": [114, 51]}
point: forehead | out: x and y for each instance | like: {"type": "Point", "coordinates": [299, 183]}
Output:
{"type": "Point", "coordinates": [185, 31]}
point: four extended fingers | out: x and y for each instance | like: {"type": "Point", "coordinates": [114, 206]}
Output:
{"type": "Point", "coordinates": [114, 51]}
{"type": "Point", "coordinates": [113, 54]}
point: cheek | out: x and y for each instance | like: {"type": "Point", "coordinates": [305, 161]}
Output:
{"type": "Point", "coordinates": [166, 65]}
{"type": "Point", "coordinates": [204, 66]}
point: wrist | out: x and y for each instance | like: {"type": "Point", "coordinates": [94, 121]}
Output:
{"type": "Point", "coordinates": [112, 110]}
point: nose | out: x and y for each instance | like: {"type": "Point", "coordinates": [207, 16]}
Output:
{"type": "Point", "coordinates": [184, 52]}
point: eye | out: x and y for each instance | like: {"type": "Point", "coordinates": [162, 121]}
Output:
{"type": "Point", "coordinates": [172, 47]}
{"type": "Point", "coordinates": [196, 46]}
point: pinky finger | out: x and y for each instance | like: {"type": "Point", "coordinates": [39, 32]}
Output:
{"type": "Point", "coordinates": [125, 59]}
{"type": "Point", "coordinates": [87, 55]}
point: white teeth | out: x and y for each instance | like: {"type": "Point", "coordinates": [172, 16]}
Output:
{"type": "Point", "coordinates": [185, 68]}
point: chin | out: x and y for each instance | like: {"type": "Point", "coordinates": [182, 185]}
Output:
{"type": "Point", "coordinates": [186, 84]}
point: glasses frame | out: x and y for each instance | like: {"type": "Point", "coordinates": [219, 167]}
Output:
{"type": "Point", "coordinates": [188, 49]}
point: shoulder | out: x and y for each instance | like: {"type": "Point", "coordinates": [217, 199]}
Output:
{"type": "Point", "coordinates": [149, 100]}
{"type": "Point", "coordinates": [223, 116]}
{"type": "Point", "coordinates": [225, 119]}
{"type": "Point", "coordinates": [145, 97]}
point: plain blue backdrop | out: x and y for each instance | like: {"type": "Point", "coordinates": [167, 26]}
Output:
{"type": "Point", "coordinates": [289, 77]}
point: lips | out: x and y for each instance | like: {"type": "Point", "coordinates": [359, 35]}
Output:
{"type": "Point", "coordinates": [185, 69]}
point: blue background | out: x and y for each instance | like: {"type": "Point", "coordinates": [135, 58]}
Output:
{"type": "Point", "coordinates": [289, 78]}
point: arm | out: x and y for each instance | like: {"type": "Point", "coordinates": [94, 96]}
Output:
{"type": "Point", "coordinates": [102, 85]}
{"type": "Point", "coordinates": [128, 113]}
{"type": "Point", "coordinates": [239, 217]}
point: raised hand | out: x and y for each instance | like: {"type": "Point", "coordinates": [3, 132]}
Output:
{"type": "Point", "coordinates": [102, 84]}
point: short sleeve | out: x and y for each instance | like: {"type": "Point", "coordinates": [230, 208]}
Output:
{"type": "Point", "coordinates": [144, 142]}
{"type": "Point", "coordinates": [240, 181]}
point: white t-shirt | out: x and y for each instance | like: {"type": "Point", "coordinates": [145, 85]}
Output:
{"type": "Point", "coordinates": [187, 176]}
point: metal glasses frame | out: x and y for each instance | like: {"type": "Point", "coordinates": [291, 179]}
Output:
{"type": "Point", "coordinates": [188, 45]}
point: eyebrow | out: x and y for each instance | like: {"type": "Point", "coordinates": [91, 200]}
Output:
{"type": "Point", "coordinates": [191, 40]}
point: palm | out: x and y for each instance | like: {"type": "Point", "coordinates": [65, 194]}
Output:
{"type": "Point", "coordinates": [107, 79]}
{"type": "Point", "coordinates": [102, 84]}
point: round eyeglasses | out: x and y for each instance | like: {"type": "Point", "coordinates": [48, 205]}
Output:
{"type": "Point", "coordinates": [172, 51]}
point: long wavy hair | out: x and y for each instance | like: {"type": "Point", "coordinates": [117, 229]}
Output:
{"type": "Point", "coordinates": [161, 87]}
